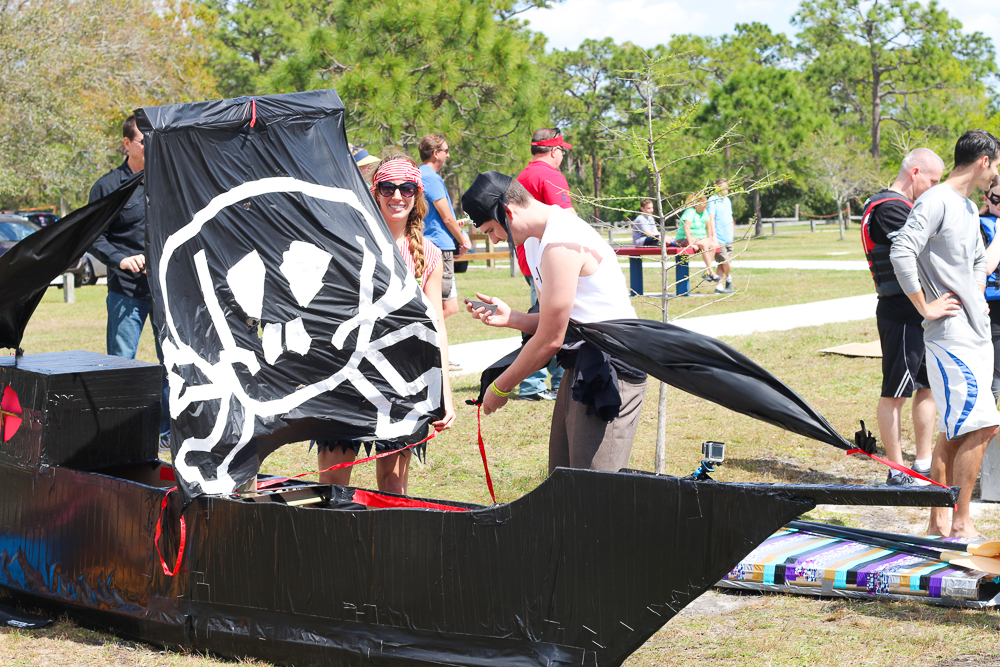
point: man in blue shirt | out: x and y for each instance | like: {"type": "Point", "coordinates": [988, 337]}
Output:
{"type": "Point", "coordinates": [440, 225]}
{"type": "Point", "coordinates": [720, 209]}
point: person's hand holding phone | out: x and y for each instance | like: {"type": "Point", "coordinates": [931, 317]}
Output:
{"type": "Point", "coordinates": [489, 309]}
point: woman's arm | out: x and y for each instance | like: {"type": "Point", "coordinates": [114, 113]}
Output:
{"type": "Point", "coordinates": [432, 288]}
{"type": "Point", "coordinates": [993, 255]}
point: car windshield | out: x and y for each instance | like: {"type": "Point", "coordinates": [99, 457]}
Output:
{"type": "Point", "coordinates": [15, 231]}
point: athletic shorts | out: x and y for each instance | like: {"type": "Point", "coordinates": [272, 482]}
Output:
{"type": "Point", "coordinates": [904, 369]}
{"type": "Point", "coordinates": [448, 291]}
{"type": "Point", "coordinates": [961, 372]}
{"type": "Point", "coordinates": [724, 252]}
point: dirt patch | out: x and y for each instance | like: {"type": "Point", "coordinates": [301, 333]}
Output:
{"type": "Point", "coordinates": [969, 660]}
{"type": "Point", "coordinates": [713, 603]}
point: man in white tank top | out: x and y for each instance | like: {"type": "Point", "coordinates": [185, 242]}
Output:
{"type": "Point", "coordinates": [577, 277]}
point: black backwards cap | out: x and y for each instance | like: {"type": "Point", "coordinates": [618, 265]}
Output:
{"type": "Point", "coordinates": [486, 199]}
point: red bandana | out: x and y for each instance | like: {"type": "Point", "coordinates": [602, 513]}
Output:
{"type": "Point", "coordinates": [397, 170]}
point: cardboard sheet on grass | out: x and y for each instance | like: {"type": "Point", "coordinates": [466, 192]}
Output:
{"type": "Point", "coordinates": [805, 564]}
{"type": "Point", "coordinates": [872, 349]}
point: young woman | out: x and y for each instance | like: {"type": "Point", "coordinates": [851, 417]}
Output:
{"type": "Point", "coordinates": [988, 215]}
{"type": "Point", "coordinates": [697, 229]}
{"type": "Point", "coordinates": [644, 230]}
{"type": "Point", "coordinates": [398, 191]}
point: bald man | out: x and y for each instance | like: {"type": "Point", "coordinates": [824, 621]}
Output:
{"type": "Point", "coordinates": [904, 372]}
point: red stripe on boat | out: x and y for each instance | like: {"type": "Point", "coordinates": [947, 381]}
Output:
{"type": "Point", "coordinates": [380, 501]}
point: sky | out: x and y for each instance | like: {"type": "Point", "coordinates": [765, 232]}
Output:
{"type": "Point", "coordinates": [651, 22]}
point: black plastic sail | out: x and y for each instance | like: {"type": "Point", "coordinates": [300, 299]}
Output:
{"type": "Point", "coordinates": [27, 269]}
{"type": "Point", "coordinates": [283, 307]}
{"type": "Point", "coordinates": [702, 366]}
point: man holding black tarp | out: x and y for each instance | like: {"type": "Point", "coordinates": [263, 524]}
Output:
{"type": "Point", "coordinates": [122, 247]}
{"type": "Point", "coordinates": [576, 275]}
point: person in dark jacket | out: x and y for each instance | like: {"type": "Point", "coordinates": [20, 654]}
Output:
{"type": "Point", "coordinates": [122, 248]}
{"type": "Point", "coordinates": [904, 372]}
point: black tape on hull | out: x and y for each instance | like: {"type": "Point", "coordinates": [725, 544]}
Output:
{"type": "Point", "coordinates": [582, 570]}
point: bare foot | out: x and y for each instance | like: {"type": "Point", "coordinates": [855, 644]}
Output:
{"type": "Point", "coordinates": [965, 531]}
{"type": "Point", "coordinates": [940, 531]}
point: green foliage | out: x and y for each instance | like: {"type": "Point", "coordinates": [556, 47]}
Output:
{"type": "Point", "coordinates": [773, 112]}
{"type": "Point", "coordinates": [70, 72]}
{"type": "Point", "coordinates": [895, 61]}
{"type": "Point", "coordinates": [403, 69]}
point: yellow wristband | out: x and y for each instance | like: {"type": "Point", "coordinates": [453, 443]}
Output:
{"type": "Point", "coordinates": [501, 394]}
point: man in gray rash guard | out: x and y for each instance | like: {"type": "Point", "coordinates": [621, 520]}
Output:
{"type": "Point", "coordinates": [940, 262]}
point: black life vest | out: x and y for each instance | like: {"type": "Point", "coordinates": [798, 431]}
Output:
{"type": "Point", "coordinates": [877, 254]}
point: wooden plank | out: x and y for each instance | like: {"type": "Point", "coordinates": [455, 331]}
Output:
{"type": "Point", "coordinates": [480, 256]}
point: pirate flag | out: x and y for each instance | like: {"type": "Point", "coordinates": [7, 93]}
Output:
{"type": "Point", "coordinates": [283, 308]}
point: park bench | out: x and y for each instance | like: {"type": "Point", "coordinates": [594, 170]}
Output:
{"type": "Point", "coordinates": [635, 255]}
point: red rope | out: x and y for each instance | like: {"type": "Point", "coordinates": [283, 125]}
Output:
{"type": "Point", "coordinates": [278, 480]}
{"type": "Point", "coordinates": [482, 452]}
{"type": "Point", "coordinates": [897, 466]}
{"type": "Point", "coordinates": [156, 540]}
{"type": "Point", "coordinates": [253, 112]}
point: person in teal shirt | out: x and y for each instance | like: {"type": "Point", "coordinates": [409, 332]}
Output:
{"type": "Point", "coordinates": [720, 208]}
{"type": "Point", "coordinates": [696, 229]}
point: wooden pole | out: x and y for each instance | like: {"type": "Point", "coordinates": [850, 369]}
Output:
{"type": "Point", "coordinates": [69, 296]}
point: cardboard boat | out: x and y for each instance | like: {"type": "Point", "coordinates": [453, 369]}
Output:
{"type": "Point", "coordinates": [580, 571]}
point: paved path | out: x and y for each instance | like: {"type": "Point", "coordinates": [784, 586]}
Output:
{"type": "Point", "coordinates": [797, 264]}
{"type": "Point", "coordinates": [476, 357]}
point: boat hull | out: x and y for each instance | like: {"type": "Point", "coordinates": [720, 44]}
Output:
{"type": "Point", "coordinates": [580, 571]}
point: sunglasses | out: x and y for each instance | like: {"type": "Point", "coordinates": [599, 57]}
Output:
{"type": "Point", "coordinates": [993, 198]}
{"type": "Point", "coordinates": [406, 188]}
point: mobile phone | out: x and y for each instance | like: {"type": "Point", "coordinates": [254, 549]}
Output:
{"type": "Point", "coordinates": [491, 308]}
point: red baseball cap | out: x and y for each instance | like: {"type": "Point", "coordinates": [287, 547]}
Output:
{"type": "Point", "coordinates": [553, 142]}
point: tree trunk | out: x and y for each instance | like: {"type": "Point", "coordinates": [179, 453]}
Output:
{"type": "Point", "coordinates": [598, 168]}
{"type": "Point", "coordinates": [840, 220]}
{"type": "Point", "coordinates": [876, 107]}
{"type": "Point", "coordinates": [758, 227]}
{"type": "Point", "coordinates": [660, 462]}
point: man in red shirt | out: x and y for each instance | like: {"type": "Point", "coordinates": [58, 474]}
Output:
{"type": "Point", "coordinates": [542, 179]}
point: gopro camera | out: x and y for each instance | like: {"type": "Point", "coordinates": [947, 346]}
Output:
{"type": "Point", "coordinates": [714, 451]}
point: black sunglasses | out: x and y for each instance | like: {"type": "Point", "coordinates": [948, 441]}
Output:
{"type": "Point", "coordinates": [406, 188]}
{"type": "Point", "coordinates": [994, 199]}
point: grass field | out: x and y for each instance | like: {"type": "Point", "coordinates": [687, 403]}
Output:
{"type": "Point", "coordinates": [721, 628]}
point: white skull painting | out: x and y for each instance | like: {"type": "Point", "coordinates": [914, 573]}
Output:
{"type": "Point", "coordinates": [256, 319]}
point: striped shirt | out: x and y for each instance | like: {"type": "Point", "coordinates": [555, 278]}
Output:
{"type": "Point", "coordinates": [432, 257]}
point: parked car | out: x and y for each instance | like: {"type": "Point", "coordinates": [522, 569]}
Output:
{"type": "Point", "coordinates": [90, 269]}
{"type": "Point", "coordinates": [40, 218]}
{"type": "Point", "coordinates": [14, 228]}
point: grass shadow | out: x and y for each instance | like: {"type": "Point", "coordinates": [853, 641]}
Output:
{"type": "Point", "coordinates": [788, 472]}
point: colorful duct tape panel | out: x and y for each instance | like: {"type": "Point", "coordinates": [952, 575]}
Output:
{"type": "Point", "coordinates": [805, 563]}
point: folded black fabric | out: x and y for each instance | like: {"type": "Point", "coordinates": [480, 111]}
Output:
{"type": "Point", "coordinates": [595, 383]}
